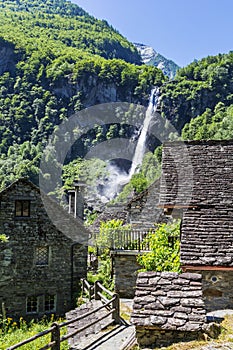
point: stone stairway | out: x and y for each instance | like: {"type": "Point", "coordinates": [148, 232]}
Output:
{"type": "Point", "coordinates": [104, 335]}
{"type": "Point", "coordinates": [83, 309]}
{"type": "Point", "coordinates": [112, 338]}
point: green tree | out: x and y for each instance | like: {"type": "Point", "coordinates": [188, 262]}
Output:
{"type": "Point", "coordinates": [139, 182]}
{"type": "Point", "coordinates": [110, 233]}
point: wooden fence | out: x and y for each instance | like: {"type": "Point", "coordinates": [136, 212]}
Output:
{"type": "Point", "coordinates": [93, 292]}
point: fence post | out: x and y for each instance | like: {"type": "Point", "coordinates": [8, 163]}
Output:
{"type": "Point", "coordinates": [139, 242]}
{"type": "Point", "coordinates": [82, 282]}
{"type": "Point", "coordinates": [89, 293]}
{"type": "Point", "coordinates": [56, 336]}
{"type": "Point", "coordinates": [116, 306]}
{"type": "Point", "coordinates": [96, 290]}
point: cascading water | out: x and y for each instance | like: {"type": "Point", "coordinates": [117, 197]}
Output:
{"type": "Point", "coordinates": [141, 144]}
{"type": "Point", "coordinates": [118, 178]}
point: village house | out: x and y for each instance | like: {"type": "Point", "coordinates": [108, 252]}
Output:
{"type": "Point", "coordinates": [197, 186]}
{"type": "Point", "coordinates": [43, 261]}
{"type": "Point", "coordinates": [197, 182]}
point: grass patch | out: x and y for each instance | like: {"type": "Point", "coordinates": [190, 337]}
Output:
{"type": "Point", "coordinates": [13, 333]}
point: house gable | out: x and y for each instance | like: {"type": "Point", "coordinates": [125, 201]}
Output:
{"type": "Point", "coordinates": [40, 265]}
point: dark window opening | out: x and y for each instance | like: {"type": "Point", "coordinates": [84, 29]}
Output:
{"type": "Point", "coordinates": [32, 304]}
{"type": "Point", "coordinates": [22, 208]}
{"type": "Point", "coordinates": [42, 256]}
{"type": "Point", "coordinates": [50, 303]}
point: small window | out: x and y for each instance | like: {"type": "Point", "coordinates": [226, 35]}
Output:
{"type": "Point", "coordinates": [42, 256]}
{"type": "Point", "coordinates": [214, 279]}
{"type": "Point", "coordinates": [32, 304]}
{"type": "Point", "coordinates": [22, 208]}
{"type": "Point", "coordinates": [50, 303]}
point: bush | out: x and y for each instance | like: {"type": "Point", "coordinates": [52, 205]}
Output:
{"type": "Point", "coordinates": [165, 248]}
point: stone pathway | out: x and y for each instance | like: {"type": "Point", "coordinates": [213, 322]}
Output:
{"type": "Point", "coordinates": [112, 338]}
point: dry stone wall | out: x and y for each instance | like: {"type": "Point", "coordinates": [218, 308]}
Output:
{"type": "Point", "coordinates": [168, 307]}
{"type": "Point", "coordinates": [217, 289]}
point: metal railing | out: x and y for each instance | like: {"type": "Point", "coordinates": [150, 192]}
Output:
{"type": "Point", "coordinates": [118, 239]}
{"type": "Point", "coordinates": [96, 292]}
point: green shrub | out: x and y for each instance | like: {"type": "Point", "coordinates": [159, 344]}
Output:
{"type": "Point", "coordinates": [165, 247]}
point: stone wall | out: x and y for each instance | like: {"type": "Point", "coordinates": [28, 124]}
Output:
{"type": "Point", "coordinates": [125, 269]}
{"type": "Point", "coordinates": [21, 275]}
{"type": "Point", "coordinates": [168, 307]}
{"type": "Point", "coordinates": [147, 336]}
{"type": "Point", "coordinates": [217, 289]}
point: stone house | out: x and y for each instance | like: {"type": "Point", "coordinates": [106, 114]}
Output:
{"type": "Point", "coordinates": [143, 211]}
{"type": "Point", "coordinates": [43, 261]}
{"type": "Point", "coordinates": [197, 182]}
{"type": "Point", "coordinates": [168, 308]}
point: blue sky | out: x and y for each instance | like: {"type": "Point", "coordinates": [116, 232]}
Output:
{"type": "Point", "coordinates": [182, 30]}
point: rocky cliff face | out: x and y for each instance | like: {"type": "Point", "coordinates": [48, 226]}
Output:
{"type": "Point", "coordinates": [153, 58]}
{"type": "Point", "coordinates": [186, 104]}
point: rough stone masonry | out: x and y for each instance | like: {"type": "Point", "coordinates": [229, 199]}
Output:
{"type": "Point", "coordinates": [168, 308]}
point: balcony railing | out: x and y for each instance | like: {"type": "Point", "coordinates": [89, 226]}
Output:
{"type": "Point", "coordinates": [120, 239]}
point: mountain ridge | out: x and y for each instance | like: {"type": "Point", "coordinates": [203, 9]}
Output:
{"type": "Point", "coordinates": [151, 57]}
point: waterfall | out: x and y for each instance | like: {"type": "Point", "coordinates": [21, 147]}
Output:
{"type": "Point", "coordinates": [141, 144]}
{"type": "Point", "coordinates": [118, 178]}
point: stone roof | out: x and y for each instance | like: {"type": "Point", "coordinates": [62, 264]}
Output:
{"type": "Point", "coordinates": [65, 222]}
{"type": "Point", "coordinates": [207, 236]}
{"type": "Point", "coordinates": [143, 208]}
{"type": "Point", "coordinates": [111, 212]}
{"type": "Point", "coordinates": [169, 301]}
{"type": "Point", "coordinates": [197, 173]}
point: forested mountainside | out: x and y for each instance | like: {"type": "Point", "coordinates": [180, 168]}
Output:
{"type": "Point", "coordinates": [199, 103]}
{"type": "Point", "coordinates": [199, 88]}
{"type": "Point", "coordinates": [55, 59]}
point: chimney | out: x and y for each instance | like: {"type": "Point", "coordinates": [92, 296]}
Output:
{"type": "Point", "coordinates": [76, 200]}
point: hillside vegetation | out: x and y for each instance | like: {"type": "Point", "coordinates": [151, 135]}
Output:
{"type": "Point", "coordinates": [198, 87]}
{"type": "Point", "coordinates": [53, 56]}
{"type": "Point", "coordinates": [56, 59]}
